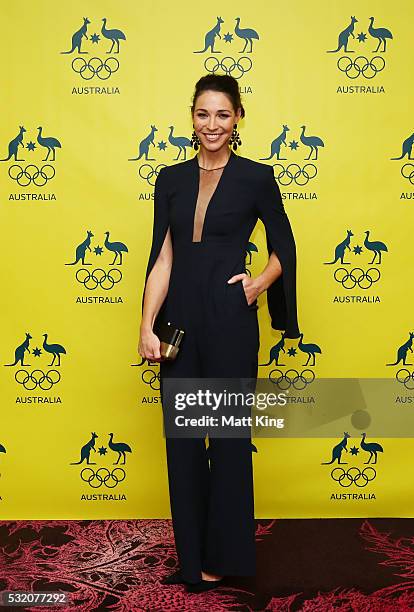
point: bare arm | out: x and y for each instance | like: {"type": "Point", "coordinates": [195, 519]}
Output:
{"type": "Point", "coordinates": [254, 286]}
{"type": "Point", "coordinates": [155, 292]}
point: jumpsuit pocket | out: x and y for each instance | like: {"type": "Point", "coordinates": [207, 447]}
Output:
{"type": "Point", "coordinates": [237, 289]}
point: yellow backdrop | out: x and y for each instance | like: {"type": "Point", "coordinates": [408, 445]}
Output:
{"type": "Point", "coordinates": [105, 93]}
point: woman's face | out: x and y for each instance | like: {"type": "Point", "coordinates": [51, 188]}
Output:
{"type": "Point", "coordinates": [213, 119]}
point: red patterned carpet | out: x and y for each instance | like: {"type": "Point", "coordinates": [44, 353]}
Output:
{"type": "Point", "coordinates": [310, 565]}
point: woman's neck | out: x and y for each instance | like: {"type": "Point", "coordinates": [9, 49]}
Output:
{"type": "Point", "coordinates": [213, 159]}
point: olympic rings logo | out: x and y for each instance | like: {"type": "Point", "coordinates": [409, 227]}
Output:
{"type": "Point", "coordinates": [98, 278]}
{"type": "Point", "coordinates": [151, 378]}
{"type": "Point", "coordinates": [103, 476]}
{"type": "Point", "coordinates": [353, 475]}
{"type": "Point", "coordinates": [147, 172]}
{"type": "Point", "coordinates": [410, 176]}
{"type": "Point", "coordinates": [357, 276]}
{"type": "Point", "coordinates": [32, 174]}
{"type": "Point", "coordinates": [37, 379]}
{"type": "Point", "coordinates": [291, 378]}
{"type": "Point", "coordinates": [361, 65]}
{"type": "Point", "coordinates": [95, 67]}
{"type": "Point", "coordinates": [295, 174]}
{"type": "Point", "coordinates": [405, 377]}
{"type": "Point", "coordinates": [229, 65]}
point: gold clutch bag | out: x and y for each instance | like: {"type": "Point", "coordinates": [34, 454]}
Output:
{"type": "Point", "coordinates": [170, 339]}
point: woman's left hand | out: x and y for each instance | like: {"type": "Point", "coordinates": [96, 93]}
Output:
{"type": "Point", "coordinates": [251, 286]}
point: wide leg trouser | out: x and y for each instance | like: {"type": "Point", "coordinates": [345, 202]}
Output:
{"type": "Point", "coordinates": [211, 494]}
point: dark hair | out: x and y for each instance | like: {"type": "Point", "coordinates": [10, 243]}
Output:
{"type": "Point", "coordinates": [219, 82]}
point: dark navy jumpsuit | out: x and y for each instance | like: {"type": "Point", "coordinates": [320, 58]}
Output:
{"type": "Point", "coordinates": [211, 491]}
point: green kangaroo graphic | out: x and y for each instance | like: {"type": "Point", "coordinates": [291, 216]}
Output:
{"type": "Point", "coordinates": [274, 352]}
{"type": "Point", "coordinates": [77, 37]}
{"type": "Point", "coordinates": [340, 250]}
{"type": "Point", "coordinates": [86, 451]}
{"type": "Point", "coordinates": [20, 351]}
{"type": "Point", "coordinates": [403, 350]}
{"type": "Point", "coordinates": [14, 145]}
{"type": "Point", "coordinates": [343, 37]}
{"type": "Point", "coordinates": [407, 148]}
{"type": "Point", "coordinates": [144, 146]}
{"type": "Point", "coordinates": [337, 450]}
{"type": "Point", "coordinates": [81, 251]}
{"type": "Point", "coordinates": [276, 144]}
{"type": "Point", "coordinates": [210, 37]}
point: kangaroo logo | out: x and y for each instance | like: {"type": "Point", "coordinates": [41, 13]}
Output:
{"type": "Point", "coordinates": [299, 380]}
{"type": "Point", "coordinates": [275, 352]}
{"type": "Point", "coordinates": [148, 171]}
{"type": "Point", "coordinates": [144, 145]}
{"type": "Point", "coordinates": [56, 350]}
{"type": "Point", "coordinates": [343, 37]}
{"type": "Point", "coordinates": [357, 276]}
{"type": "Point", "coordinates": [407, 148]}
{"type": "Point", "coordinates": [37, 378]}
{"type": "Point", "coordinates": [235, 67]}
{"type": "Point", "coordinates": [98, 277]}
{"type": "Point", "coordinates": [340, 250]}
{"type": "Point", "coordinates": [354, 475]}
{"type": "Point", "coordinates": [20, 351]}
{"type": "Point", "coordinates": [14, 145]}
{"type": "Point", "coordinates": [96, 66]}
{"type": "Point", "coordinates": [294, 173]}
{"type": "Point", "coordinates": [28, 174]}
{"type": "Point", "coordinates": [103, 476]}
{"type": "Point", "coordinates": [85, 453]}
{"type": "Point", "coordinates": [362, 65]}
{"type": "Point", "coordinates": [404, 375]}
{"type": "Point", "coordinates": [379, 34]}
{"type": "Point", "coordinates": [81, 251]}
{"type": "Point", "coordinates": [119, 448]}
{"type": "Point", "coordinates": [338, 450]}
{"type": "Point", "coordinates": [78, 36]}
{"type": "Point", "coordinates": [403, 351]}
{"type": "Point", "coordinates": [407, 170]}
{"type": "Point", "coordinates": [210, 37]}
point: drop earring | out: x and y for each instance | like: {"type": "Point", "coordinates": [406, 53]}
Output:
{"type": "Point", "coordinates": [195, 141]}
{"type": "Point", "coordinates": [234, 139]}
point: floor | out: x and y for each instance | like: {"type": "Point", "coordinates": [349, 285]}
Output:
{"type": "Point", "coordinates": [307, 564]}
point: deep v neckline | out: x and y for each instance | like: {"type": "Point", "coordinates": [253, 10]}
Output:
{"type": "Point", "coordinates": [213, 195]}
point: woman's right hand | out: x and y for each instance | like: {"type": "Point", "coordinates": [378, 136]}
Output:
{"type": "Point", "coordinates": [149, 345]}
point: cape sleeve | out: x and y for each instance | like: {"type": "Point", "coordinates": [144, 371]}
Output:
{"type": "Point", "coordinates": [281, 295]}
{"type": "Point", "coordinates": [159, 228]}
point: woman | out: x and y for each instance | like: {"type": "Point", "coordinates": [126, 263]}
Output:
{"type": "Point", "coordinates": [205, 209]}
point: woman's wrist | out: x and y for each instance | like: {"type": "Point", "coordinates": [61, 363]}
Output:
{"type": "Point", "coordinates": [261, 283]}
{"type": "Point", "coordinates": [145, 327]}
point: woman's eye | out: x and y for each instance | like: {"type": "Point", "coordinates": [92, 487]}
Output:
{"type": "Point", "coordinates": [205, 115]}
